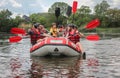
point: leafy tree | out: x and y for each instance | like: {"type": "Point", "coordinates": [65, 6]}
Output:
{"type": "Point", "coordinates": [38, 18]}
{"type": "Point", "coordinates": [63, 8]}
{"type": "Point", "coordinates": [6, 22]}
{"type": "Point", "coordinates": [43, 18]}
{"type": "Point", "coordinates": [100, 12]}
{"type": "Point", "coordinates": [100, 9]}
{"type": "Point", "coordinates": [113, 16]}
{"type": "Point", "coordinates": [82, 16]}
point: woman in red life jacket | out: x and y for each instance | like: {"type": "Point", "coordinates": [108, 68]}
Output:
{"type": "Point", "coordinates": [42, 29]}
{"type": "Point", "coordinates": [61, 30]}
{"type": "Point", "coordinates": [67, 29]}
{"type": "Point", "coordinates": [34, 33]}
{"type": "Point", "coordinates": [74, 35]}
{"type": "Point", "coordinates": [43, 32]}
{"type": "Point", "coordinates": [77, 36]}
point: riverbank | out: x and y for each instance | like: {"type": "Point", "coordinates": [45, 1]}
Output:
{"type": "Point", "coordinates": [108, 30]}
{"type": "Point", "coordinates": [5, 35]}
{"type": "Point", "coordinates": [101, 30]}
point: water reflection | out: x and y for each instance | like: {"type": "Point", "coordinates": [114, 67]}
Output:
{"type": "Point", "coordinates": [102, 61]}
{"type": "Point", "coordinates": [19, 68]}
{"type": "Point", "coordinates": [60, 67]}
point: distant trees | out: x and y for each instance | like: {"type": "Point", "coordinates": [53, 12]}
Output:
{"type": "Point", "coordinates": [6, 22]}
{"type": "Point", "coordinates": [82, 16]}
{"type": "Point", "coordinates": [113, 17]}
{"type": "Point", "coordinates": [109, 17]}
{"type": "Point", "coordinates": [100, 12]}
{"type": "Point", "coordinates": [63, 8]}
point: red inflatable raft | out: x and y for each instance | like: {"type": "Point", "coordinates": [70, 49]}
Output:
{"type": "Point", "coordinates": [55, 46]}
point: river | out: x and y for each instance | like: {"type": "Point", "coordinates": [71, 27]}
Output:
{"type": "Point", "coordinates": [102, 61]}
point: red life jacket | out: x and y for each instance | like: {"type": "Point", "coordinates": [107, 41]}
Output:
{"type": "Point", "coordinates": [74, 37]}
{"type": "Point", "coordinates": [35, 36]}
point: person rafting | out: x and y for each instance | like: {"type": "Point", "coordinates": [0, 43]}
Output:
{"type": "Point", "coordinates": [61, 30]}
{"type": "Point", "coordinates": [43, 33]}
{"type": "Point", "coordinates": [54, 30]}
{"type": "Point", "coordinates": [34, 33]}
{"type": "Point", "coordinates": [74, 35]}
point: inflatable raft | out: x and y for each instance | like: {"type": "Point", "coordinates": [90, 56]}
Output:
{"type": "Point", "coordinates": [55, 46]}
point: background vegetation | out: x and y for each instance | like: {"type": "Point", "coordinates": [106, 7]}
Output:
{"type": "Point", "coordinates": [109, 17]}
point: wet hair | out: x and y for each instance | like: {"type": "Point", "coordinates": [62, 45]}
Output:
{"type": "Point", "coordinates": [36, 25]}
{"type": "Point", "coordinates": [53, 24]}
{"type": "Point", "coordinates": [72, 25]}
{"type": "Point", "coordinates": [60, 26]}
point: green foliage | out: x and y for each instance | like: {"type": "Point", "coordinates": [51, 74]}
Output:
{"type": "Point", "coordinates": [100, 9]}
{"type": "Point", "coordinates": [43, 18]}
{"type": "Point", "coordinates": [113, 16]}
{"type": "Point", "coordinates": [100, 12]}
{"type": "Point", "coordinates": [109, 17]}
{"type": "Point", "coordinates": [82, 16]}
{"type": "Point", "coordinates": [63, 8]}
{"type": "Point", "coordinates": [6, 22]}
{"type": "Point", "coordinates": [47, 19]}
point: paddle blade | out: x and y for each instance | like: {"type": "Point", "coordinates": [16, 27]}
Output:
{"type": "Point", "coordinates": [93, 37]}
{"type": "Point", "coordinates": [17, 31]}
{"type": "Point", "coordinates": [74, 7]}
{"type": "Point", "coordinates": [14, 39]}
{"type": "Point", "coordinates": [93, 24]}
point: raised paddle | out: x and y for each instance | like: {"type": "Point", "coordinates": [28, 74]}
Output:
{"type": "Point", "coordinates": [74, 7]}
{"type": "Point", "coordinates": [94, 37]}
{"type": "Point", "coordinates": [14, 39]}
{"type": "Point", "coordinates": [92, 24]}
{"type": "Point", "coordinates": [17, 31]}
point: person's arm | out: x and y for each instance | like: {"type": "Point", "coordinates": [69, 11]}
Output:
{"type": "Point", "coordinates": [30, 32]}
{"type": "Point", "coordinates": [51, 31]}
{"type": "Point", "coordinates": [81, 34]}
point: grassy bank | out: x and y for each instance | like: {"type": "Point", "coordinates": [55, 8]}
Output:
{"type": "Point", "coordinates": [4, 35]}
{"type": "Point", "coordinates": [101, 30]}
{"type": "Point", "coordinates": [108, 30]}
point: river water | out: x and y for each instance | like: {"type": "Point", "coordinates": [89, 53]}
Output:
{"type": "Point", "coordinates": [102, 61]}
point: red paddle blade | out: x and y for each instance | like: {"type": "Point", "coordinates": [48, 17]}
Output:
{"type": "Point", "coordinates": [14, 39]}
{"type": "Point", "coordinates": [93, 37]}
{"type": "Point", "coordinates": [17, 31]}
{"type": "Point", "coordinates": [74, 7]}
{"type": "Point", "coordinates": [93, 24]}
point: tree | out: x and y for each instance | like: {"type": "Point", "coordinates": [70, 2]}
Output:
{"type": "Point", "coordinates": [100, 9]}
{"type": "Point", "coordinates": [100, 12]}
{"type": "Point", "coordinates": [82, 16]}
{"type": "Point", "coordinates": [63, 8]}
{"type": "Point", "coordinates": [38, 18]}
{"type": "Point", "coordinates": [5, 20]}
{"type": "Point", "coordinates": [113, 16]}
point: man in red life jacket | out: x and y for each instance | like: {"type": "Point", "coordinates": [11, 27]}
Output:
{"type": "Point", "coordinates": [74, 35]}
{"type": "Point", "coordinates": [34, 33]}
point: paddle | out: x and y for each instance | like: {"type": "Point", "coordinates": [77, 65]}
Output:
{"type": "Point", "coordinates": [74, 7]}
{"type": "Point", "coordinates": [92, 24]}
{"type": "Point", "coordinates": [94, 37]}
{"type": "Point", "coordinates": [14, 39]}
{"type": "Point", "coordinates": [17, 31]}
